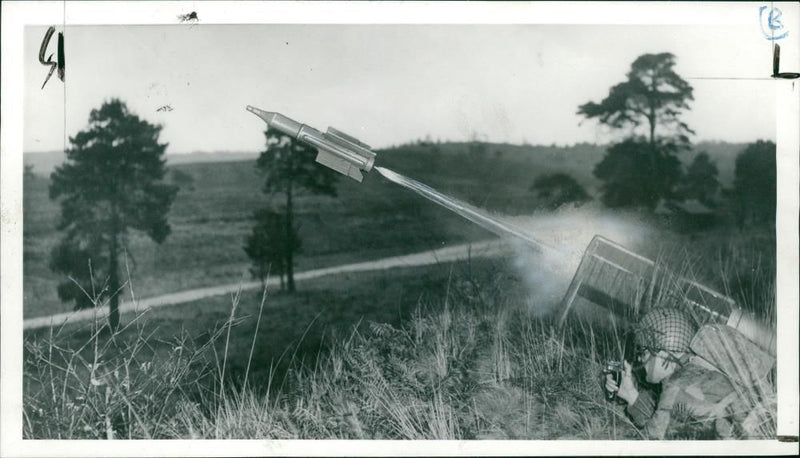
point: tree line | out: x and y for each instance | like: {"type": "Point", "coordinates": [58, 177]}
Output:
{"type": "Point", "coordinates": [643, 169]}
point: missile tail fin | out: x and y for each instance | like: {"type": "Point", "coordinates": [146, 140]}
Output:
{"type": "Point", "coordinates": [339, 165]}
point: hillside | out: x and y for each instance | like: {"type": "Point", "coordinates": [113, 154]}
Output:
{"type": "Point", "coordinates": [577, 159]}
{"type": "Point", "coordinates": [212, 214]}
{"type": "Point", "coordinates": [45, 162]}
{"type": "Point", "coordinates": [211, 217]}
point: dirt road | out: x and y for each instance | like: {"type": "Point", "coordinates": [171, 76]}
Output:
{"type": "Point", "coordinates": [486, 248]}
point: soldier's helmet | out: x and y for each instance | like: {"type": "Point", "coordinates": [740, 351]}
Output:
{"type": "Point", "coordinates": [665, 328]}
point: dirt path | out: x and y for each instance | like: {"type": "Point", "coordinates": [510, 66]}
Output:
{"type": "Point", "coordinates": [486, 248]}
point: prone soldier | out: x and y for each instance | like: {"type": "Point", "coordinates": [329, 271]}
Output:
{"type": "Point", "coordinates": [689, 384]}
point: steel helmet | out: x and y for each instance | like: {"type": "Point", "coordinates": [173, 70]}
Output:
{"type": "Point", "coordinates": [665, 328]}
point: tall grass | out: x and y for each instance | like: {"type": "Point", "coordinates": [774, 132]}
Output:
{"type": "Point", "coordinates": [114, 386]}
{"type": "Point", "coordinates": [480, 365]}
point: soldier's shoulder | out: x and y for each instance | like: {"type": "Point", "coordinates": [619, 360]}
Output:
{"type": "Point", "coordinates": [694, 373]}
{"type": "Point", "coordinates": [696, 386]}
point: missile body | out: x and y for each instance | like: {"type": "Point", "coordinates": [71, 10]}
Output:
{"type": "Point", "coordinates": [336, 149]}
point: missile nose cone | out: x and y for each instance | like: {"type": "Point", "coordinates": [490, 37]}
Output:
{"type": "Point", "coordinates": [267, 116]}
{"type": "Point", "coordinates": [277, 121]}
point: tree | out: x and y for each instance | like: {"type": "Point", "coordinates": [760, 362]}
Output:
{"type": "Point", "coordinates": [557, 189]}
{"type": "Point", "coordinates": [654, 97]}
{"type": "Point", "coordinates": [267, 244]}
{"type": "Point", "coordinates": [111, 183]}
{"type": "Point", "coordinates": [289, 167]}
{"type": "Point", "coordinates": [755, 185]}
{"type": "Point", "coordinates": [653, 93]}
{"type": "Point", "coordinates": [700, 181]}
{"type": "Point", "coordinates": [625, 184]}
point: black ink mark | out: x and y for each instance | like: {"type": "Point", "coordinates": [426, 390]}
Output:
{"type": "Point", "coordinates": [776, 65]}
{"type": "Point", "coordinates": [60, 64]}
{"type": "Point", "coordinates": [42, 49]}
{"type": "Point", "coordinates": [189, 17]}
{"type": "Point", "coordinates": [61, 60]}
{"type": "Point", "coordinates": [165, 108]}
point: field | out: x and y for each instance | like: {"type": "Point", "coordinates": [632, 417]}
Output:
{"type": "Point", "coordinates": [366, 221]}
{"type": "Point", "coordinates": [451, 351]}
{"type": "Point", "coordinates": [370, 221]}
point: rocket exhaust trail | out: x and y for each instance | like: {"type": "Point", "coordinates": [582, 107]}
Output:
{"type": "Point", "coordinates": [465, 210]}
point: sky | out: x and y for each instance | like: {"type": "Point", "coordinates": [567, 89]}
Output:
{"type": "Point", "coordinates": [388, 84]}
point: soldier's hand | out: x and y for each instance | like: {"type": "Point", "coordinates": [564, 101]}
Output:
{"type": "Point", "coordinates": [627, 390]}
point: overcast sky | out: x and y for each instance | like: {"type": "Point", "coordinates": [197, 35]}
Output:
{"type": "Point", "coordinates": [388, 84]}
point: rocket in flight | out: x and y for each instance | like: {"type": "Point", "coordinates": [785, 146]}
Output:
{"type": "Point", "coordinates": [336, 149]}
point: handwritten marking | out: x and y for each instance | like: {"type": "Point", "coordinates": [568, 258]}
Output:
{"type": "Point", "coordinates": [42, 49]}
{"type": "Point", "coordinates": [49, 61]}
{"type": "Point", "coordinates": [771, 23]}
{"type": "Point", "coordinates": [61, 59]}
{"type": "Point", "coordinates": [776, 65]}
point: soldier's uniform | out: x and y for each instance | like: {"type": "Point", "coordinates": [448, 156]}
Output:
{"type": "Point", "coordinates": [695, 401]}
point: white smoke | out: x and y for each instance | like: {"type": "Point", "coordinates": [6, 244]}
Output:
{"type": "Point", "coordinates": [548, 246]}
{"type": "Point", "coordinates": [547, 273]}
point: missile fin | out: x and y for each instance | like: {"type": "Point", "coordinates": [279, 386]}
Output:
{"type": "Point", "coordinates": [339, 165]}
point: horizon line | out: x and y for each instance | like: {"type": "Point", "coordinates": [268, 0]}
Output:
{"type": "Point", "coordinates": [180, 153]}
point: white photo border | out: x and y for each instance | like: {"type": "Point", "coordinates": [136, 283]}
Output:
{"type": "Point", "coordinates": [17, 15]}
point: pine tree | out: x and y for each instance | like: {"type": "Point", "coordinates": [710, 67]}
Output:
{"type": "Point", "coordinates": [110, 184]}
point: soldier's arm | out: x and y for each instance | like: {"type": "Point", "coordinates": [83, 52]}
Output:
{"type": "Point", "coordinates": [643, 408]}
{"type": "Point", "coordinates": [656, 427]}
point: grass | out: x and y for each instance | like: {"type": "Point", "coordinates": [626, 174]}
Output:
{"type": "Point", "coordinates": [442, 352]}
{"type": "Point", "coordinates": [440, 375]}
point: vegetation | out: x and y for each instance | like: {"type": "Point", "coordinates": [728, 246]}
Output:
{"type": "Point", "coordinates": [470, 357]}
{"type": "Point", "coordinates": [266, 246]}
{"type": "Point", "coordinates": [112, 182]}
{"type": "Point", "coordinates": [370, 220]}
{"type": "Point", "coordinates": [700, 181]}
{"type": "Point", "coordinates": [642, 170]}
{"type": "Point", "coordinates": [754, 187]}
{"type": "Point", "coordinates": [627, 184]}
{"type": "Point", "coordinates": [456, 351]}
{"type": "Point", "coordinates": [289, 167]}
{"type": "Point", "coordinates": [557, 189]}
